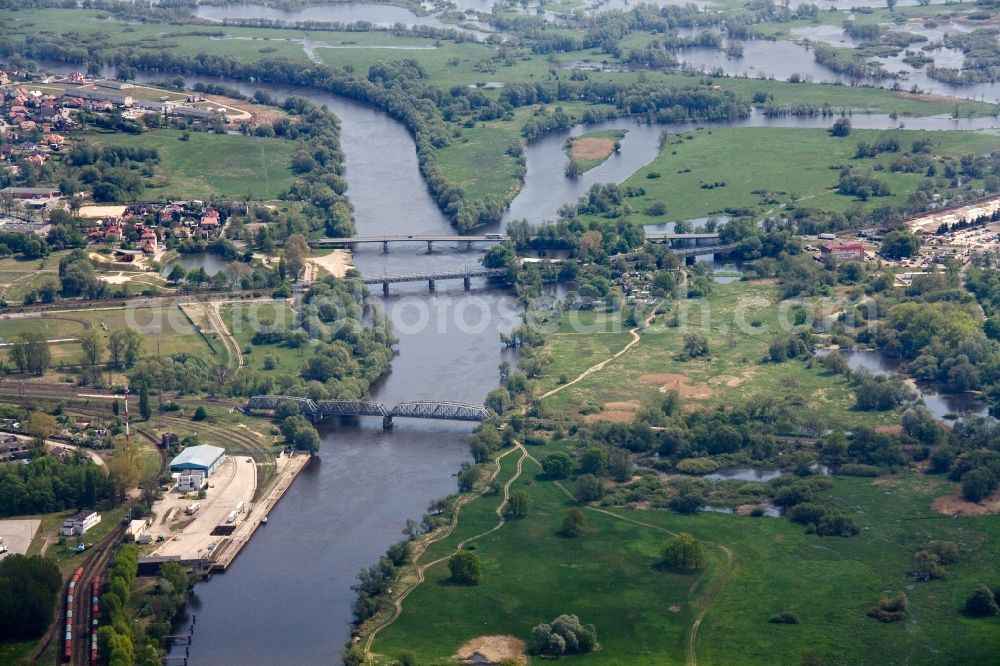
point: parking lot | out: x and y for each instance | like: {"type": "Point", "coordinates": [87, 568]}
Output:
{"type": "Point", "coordinates": [17, 535]}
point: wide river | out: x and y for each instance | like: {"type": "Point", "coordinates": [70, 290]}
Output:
{"type": "Point", "coordinates": [287, 599]}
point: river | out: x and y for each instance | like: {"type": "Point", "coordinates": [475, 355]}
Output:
{"type": "Point", "coordinates": [287, 598]}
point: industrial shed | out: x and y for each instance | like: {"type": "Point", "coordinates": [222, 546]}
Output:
{"type": "Point", "coordinates": [204, 458]}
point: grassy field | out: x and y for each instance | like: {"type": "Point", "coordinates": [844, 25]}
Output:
{"type": "Point", "coordinates": [165, 330]}
{"type": "Point", "coordinates": [643, 615]}
{"type": "Point", "coordinates": [732, 373]}
{"type": "Point", "coordinates": [245, 320]}
{"type": "Point", "coordinates": [478, 161]}
{"type": "Point", "coordinates": [803, 162]}
{"type": "Point", "coordinates": [207, 165]}
{"type": "Point", "coordinates": [533, 574]}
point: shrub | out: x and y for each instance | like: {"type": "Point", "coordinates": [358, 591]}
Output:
{"type": "Point", "coordinates": [686, 503]}
{"type": "Point", "coordinates": [837, 524]}
{"type": "Point", "coordinates": [575, 523]}
{"type": "Point", "coordinates": [946, 551]}
{"type": "Point", "coordinates": [199, 414]}
{"type": "Point", "coordinates": [697, 466]}
{"type": "Point", "coordinates": [557, 465]}
{"type": "Point", "coordinates": [784, 618]}
{"type": "Point", "coordinates": [588, 488]}
{"type": "Point", "coordinates": [891, 609]}
{"type": "Point", "coordinates": [982, 603]}
{"type": "Point", "coordinates": [565, 635]}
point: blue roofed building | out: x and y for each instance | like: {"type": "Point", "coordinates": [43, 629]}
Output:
{"type": "Point", "coordinates": [203, 458]}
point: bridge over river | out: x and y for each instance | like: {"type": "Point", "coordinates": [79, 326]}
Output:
{"type": "Point", "coordinates": [318, 410]}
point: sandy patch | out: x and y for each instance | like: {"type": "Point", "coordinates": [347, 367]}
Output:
{"type": "Point", "coordinates": [246, 111]}
{"type": "Point", "coordinates": [94, 212]}
{"type": "Point", "coordinates": [674, 608]}
{"type": "Point", "coordinates": [896, 430]}
{"type": "Point", "coordinates": [955, 505]}
{"type": "Point", "coordinates": [616, 412]}
{"type": "Point", "coordinates": [492, 650]}
{"type": "Point", "coordinates": [726, 380]}
{"type": "Point", "coordinates": [337, 263]}
{"type": "Point", "coordinates": [121, 278]}
{"type": "Point", "coordinates": [591, 148]}
{"type": "Point", "coordinates": [680, 383]}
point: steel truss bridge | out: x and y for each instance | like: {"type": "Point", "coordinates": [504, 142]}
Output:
{"type": "Point", "coordinates": [318, 410]}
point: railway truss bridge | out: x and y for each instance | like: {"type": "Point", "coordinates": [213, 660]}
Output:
{"type": "Point", "coordinates": [319, 410]}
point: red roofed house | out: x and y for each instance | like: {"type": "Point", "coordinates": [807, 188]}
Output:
{"type": "Point", "coordinates": [113, 233]}
{"type": "Point", "coordinates": [76, 77]}
{"type": "Point", "coordinates": [210, 220]}
{"type": "Point", "coordinates": [851, 251]}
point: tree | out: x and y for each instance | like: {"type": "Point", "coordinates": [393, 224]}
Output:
{"type": "Point", "coordinates": [519, 504]}
{"type": "Point", "coordinates": [123, 468]}
{"type": "Point", "coordinates": [841, 127]}
{"type": "Point", "coordinates": [982, 603]}
{"type": "Point", "coordinates": [575, 523]}
{"type": "Point", "coordinates": [594, 461]}
{"type": "Point", "coordinates": [199, 414]}
{"type": "Point", "coordinates": [467, 478]}
{"type": "Point", "coordinates": [589, 488]}
{"type": "Point", "coordinates": [31, 353]}
{"type": "Point", "coordinates": [124, 346]}
{"type": "Point", "coordinates": [144, 410]}
{"type": "Point", "coordinates": [92, 346]}
{"type": "Point", "coordinates": [557, 465]}
{"type": "Point", "coordinates": [695, 345]}
{"type": "Point", "coordinates": [977, 484]}
{"type": "Point", "coordinates": [29, 588]}
{"type": "Point", "coordinates": [177, 273]}
{"type": "Point", "coordinates": [683, 551]}
{"type": "Point", "coordinates": [296, 251]}
{"type": "Point", "coordinates": [41, 426]}
{"type": "Point", "coordinates": [564, 635]}
{"type": "Point", "coordinates": [899, 244]}
{"type": "Point", "coordinates": [465, 568]}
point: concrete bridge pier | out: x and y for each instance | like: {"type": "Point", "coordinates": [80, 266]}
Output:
{"type": "Point", "coordinates": [467, 281]}
{"type": "Point", "coordinates": [430, 285]}
{"type": "Point", "coordinates": [468, 245]}
{"type": "Point", "coordinates": [387, 422]}
{"type": "Point", "coordinates": [385, 288]}
{"type": "Point", "coordinates": [385, 247]}
{"type": "Point", "coordinates": [430, 247]}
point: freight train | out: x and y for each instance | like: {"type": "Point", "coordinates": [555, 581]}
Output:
{"type": "Point", "coordinates": [71, 592]}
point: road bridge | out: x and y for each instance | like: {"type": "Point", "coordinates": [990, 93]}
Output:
{"type": "Point", "coordinates": [348, 241]}
{"type": "Point", "coordinates": [318, 410]}
{"type": "Point", "coordinates": [656, 236]}
{"type": "Point", "coordinates": [431, 279]}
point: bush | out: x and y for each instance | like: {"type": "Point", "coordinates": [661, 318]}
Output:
{"type": "Point", "coordinates": [199, 414]}
{"type": "Point", "coordinates": [575, 523]}
{"type": "Point", "coordinates": [784, 618]}
{"type": "Point", "coordinates": [697, 466]}
{"type": "Point", "coordinates": [565, 635]}
{"type": "Point", "coordinates": [891, 609]}
{"type": "Point", "coordinates": [557, 465]}
{"type": "Point", "coordinates": [588, 488]}
{"type": "Point", "coordinates": [982, 603]}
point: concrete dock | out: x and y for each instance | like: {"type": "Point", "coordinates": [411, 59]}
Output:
{"type": "Point", "coordinates": [288, 468]}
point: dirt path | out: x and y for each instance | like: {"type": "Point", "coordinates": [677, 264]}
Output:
{"type": "Point", "coordinates": [600, 366]}
{"type": "Point", "coordinates": [420, 569]}
{"type": "Point", "coordinates": [214, 312]}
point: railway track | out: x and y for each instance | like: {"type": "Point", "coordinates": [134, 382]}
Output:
{"type": "Point", "coordinates": [95, 564]}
